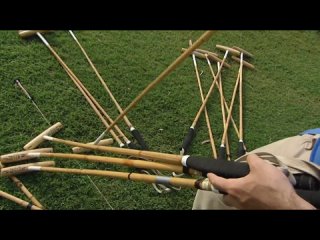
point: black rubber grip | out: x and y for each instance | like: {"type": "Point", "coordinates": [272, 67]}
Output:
{"type": "Point", "coordinates": [137, 135]}
{"type": "Point", "coordinates": [133, 146]}
{"type": "Point", "coordinates": [222, 168]}
{"type": "Point", "coordinates": [241, 149]}
{"type": "Point", "coordinates": [313, 197]}
{"type": "Point", "coordinates": [187, 140]}
{"type": "Point", "coordinates": [222, 153]}
{"type": "Point", "coordinates": [306, 181]}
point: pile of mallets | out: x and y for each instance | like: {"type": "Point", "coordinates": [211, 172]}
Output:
{"type": "Point", "coordinates": [141, 158]}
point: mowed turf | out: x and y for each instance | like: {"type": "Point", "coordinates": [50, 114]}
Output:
{"type": "Point", "coordinates": [281, 99]}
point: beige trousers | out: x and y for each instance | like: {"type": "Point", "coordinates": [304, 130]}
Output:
{"type": "Point", "coordinates": [297, 147]}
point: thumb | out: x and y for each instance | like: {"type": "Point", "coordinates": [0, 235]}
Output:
{"type": "Point", "coordinates": [220, 183]}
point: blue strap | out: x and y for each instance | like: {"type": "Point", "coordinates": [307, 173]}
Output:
{"type": "Point", "coordinates": [311, 131]}
{"type": "Point", "coordinates": [315, 153]}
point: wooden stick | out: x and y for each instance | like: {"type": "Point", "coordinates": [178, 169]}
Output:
{"type": "Point", "coordinates": [23, 189]}
{"type": "Point", "coordinates": [137, 177]}
{"type": "Point", "coordinates": [224, 100]}
{"type": "Point", "coordinates": [125, 118]}
{"type": "Point", "coordinates": [39, 139]}
{"type": "Point", "coordinates": [223, 113]}
{"type": "Point", "coordinates": [230, 112]}
{"type": "Point", "coordinates": [213, 147]}
{"type": "Point", "coordinates": [18, 201]}
{"type": "Point", "coordinates": [104, 142]}
{"type": "Point", "coordinates": [171, 158]}
{"type": "Point", "coordinates": [20, 156]}
{"type": "Point", "coordinates": [209, 92]}
{"type": "Point", "coordinates": [204, 37]}
{"type": "Point", "coordinates": [74, 79]}
{"type": "Point", "coordinates": [120, 161]}
{"type": "Point", "coordinates": [240, 101]}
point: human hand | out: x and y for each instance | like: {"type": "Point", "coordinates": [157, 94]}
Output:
{"type": "Point", "coordinates": [265, 187]}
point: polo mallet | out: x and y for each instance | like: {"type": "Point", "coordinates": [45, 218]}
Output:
{"type": "Point", "coordinates": [222, 150]}
{"type": "Point", "coordinates": [214, 151]}
{"type": "Point", "coordinates": [104, 142]}
{"type": "Point", "coordinates": [227, 169]}
{"type": "Point", "coordinates": [191, 135]}
{"type": "Point", "coordinates": [99, 110]}
{"type": "Point", "coordinates": [23, 188]}
{"type": "Point", "coordinates": [221, 94]}
{"type": "Point", "coordinates": [203, 38]}
{"type": "Point", "coordinates": [93, 103]}
{"type": "Point", "coordinates": [50, 131]}
{"type": "Point", "coordinates": [224, 168]}
{"type": "Point", "coordinates": [223, 114]}
{"type": "Point", "coordinates": [135, 133]}
{"type": "Point", "coordinates": [29, 33]}
{"type": "Point", "coordinates": [19, 201]}
{"type": "Point", "coordinates": [243, 63]}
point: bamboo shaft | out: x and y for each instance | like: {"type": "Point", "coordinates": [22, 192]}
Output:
{"type": "Point", "coordinates": [125, 118]}
{"type": "Point", "coordinates": [213, 147]}
{"type": "Point", "coordinates": [240, 100]}
{"type": "Point", "coordinates": [104, 142]}
{"type": "Point", "coordinates": [230, 112]}
{"type": "Point", "coordinates": [203, 38]}
{"type": "Point", "coordinates": [73, 78]}
{"type": "Point", "coordinates": [137, 177]}
{"type": "Point", "coordinates": [169, 158]}
{"type": "Point", "coordinates": [120, 161]}
{"type": "Point", "coordinates": [97, 105]}
{"type": "Point", "coordinates": [223, 113]}
{"type": "Point", "coordinates": [209, 93]}
{"type": "Point", "coordinates": [18, 201]}
{"type": "Point", "coordinates": [23, 189]}
{"type": "Point", "coordinates": [224, 100]}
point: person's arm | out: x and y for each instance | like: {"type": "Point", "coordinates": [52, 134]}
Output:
{"type": "Point", "coordinates": [265, 187]}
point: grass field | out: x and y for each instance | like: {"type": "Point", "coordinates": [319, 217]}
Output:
{"type": "Point", "coordinates": [281, 99]}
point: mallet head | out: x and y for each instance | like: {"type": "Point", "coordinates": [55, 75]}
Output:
{"type": "Point", "coordinates": [30, 33]}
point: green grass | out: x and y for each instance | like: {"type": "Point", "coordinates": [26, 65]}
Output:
{"type": "Point", "coordinates": [281, 99]}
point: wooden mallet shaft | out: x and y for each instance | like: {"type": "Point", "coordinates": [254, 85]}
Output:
{"type": "Point", "coordinates": [23, 189]}
{"type": "Point", "coordinates": [104, 142]}
{"type": "Point", "coordinates": [170, 158]}
{"type": "Point", "coordinates": [142, 164]}
{"type": "Point", "coordinates": [137, 177]}
{"type": "Point", "coordinates": [203, 38]}
{"type": "Point", "coordinates": [18, 201]}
